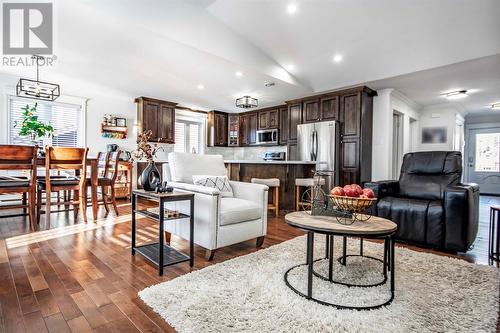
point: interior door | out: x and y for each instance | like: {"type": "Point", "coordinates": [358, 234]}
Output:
{"type": "Point", "coordinates": [483, 162]}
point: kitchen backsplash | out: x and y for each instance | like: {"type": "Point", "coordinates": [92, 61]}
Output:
{"type": "Point", "coordinates": [243, 153]}
{"type": "Point", "coordinates": [233, 153]}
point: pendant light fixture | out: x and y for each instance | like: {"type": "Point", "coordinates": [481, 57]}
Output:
{"type": "Point", "coordinates": [37, 89]}
{"type": "Point", "coordinates": [247, 102]}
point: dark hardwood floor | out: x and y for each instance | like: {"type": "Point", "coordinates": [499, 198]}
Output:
{"type": "Point", "coordinates": [82, 278]}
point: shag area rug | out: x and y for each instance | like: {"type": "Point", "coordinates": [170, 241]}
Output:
{"type": "Point", "coordinates": [248, 294]}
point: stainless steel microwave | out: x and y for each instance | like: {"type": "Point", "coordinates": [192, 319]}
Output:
{"type": "Point", "coordinates": [267, 137]}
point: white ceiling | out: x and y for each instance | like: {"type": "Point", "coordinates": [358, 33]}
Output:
{"type": "Point", "coordinates": [480, 77]}
{"type": "Point", "coordinates": [165, 49]}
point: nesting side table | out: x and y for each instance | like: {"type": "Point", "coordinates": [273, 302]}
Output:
{"type": "Point", "coordinates": [168, 255]}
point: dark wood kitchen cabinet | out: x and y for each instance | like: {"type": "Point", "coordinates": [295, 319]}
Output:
{"type": "Point", "coordinates": [356, 119]}
{"type": "Point", "coordinates": [329, 108]}
{"type": "Point", "coordinates": [217, 129]}
{"type": "Point", "coordinates": [353, 109]}
{"type": "Point", "coordinates": [252, 128]}
{"type": "Point", "coordinates": [283, 126]}
{"type": "Point", "coordinates": [268, 119]}
{"type": "Point", "coordinates": [243, 130]}
{"type": "Point", "coordinates": [294, 119]}
{"type": "Point", "coordinates": [158, 116]}
{"type": "Point", "coordinates": [311, 112]}
{"type": "Point", "coordinates": [233, 130]}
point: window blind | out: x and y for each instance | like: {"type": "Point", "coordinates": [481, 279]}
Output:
{"type": "Point", "coordinates": [187, 136]}
{"type": "Point", "coordinates": [180, 137]}
{"type": "Point", "coordinates": [65, 118]}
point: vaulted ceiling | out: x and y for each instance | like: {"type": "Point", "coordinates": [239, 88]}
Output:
{"type": "Point", "coordinates": [166, 49]}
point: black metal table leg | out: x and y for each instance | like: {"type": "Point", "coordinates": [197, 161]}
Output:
{"type": "Point", "coordinates": [161, 227]}
{"type": "Point", "coordinates": [191, 233]}
{"type": "Point", "coordinates": [344, 251]}
{"type": "Point", "coordinates": [490, 235]}
{"type": "Point", "coordinates": [496, 256]}
{"type": "Point", "coordinates": [392, 255]}
{"type": "Point", "coordinates": [327, 246]}
{"type": "Point", "coordinates": [134, 199]}
{"type": "Point", "coordinates": [361, 246]}
{"type": "Point", "coordinates": [330, 258]}
{"type": "Point", "coordinates": [310, 262]}
{"type": "Point", "coordinates": [386, 241]}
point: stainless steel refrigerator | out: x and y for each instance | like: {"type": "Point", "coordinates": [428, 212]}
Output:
{"type": "Point", "coordinates": [320, 142]}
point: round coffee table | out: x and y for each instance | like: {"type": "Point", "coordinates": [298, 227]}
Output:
{"type": "Point", "coordinates": [375, 227]}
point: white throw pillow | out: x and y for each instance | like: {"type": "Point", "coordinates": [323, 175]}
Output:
{"type": "Point", "coordinates": [219, 182]}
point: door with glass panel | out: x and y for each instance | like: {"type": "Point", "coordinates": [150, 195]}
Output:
{"type": "Point", "coordinates": [483, 161]}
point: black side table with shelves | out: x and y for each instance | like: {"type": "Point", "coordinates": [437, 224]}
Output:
{"type": "Point", "coordinates": [169, 255]}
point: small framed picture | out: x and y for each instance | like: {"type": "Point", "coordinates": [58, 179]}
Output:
{"type": "Point", "coordinates": [122, 122]}
{"type": "Point", "coordinates": [434, 134]}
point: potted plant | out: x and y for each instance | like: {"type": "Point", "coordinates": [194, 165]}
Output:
{"type": "Point", "coordinates": [31, 126]}
{"type": "Point", "coordinates": [150, 176]}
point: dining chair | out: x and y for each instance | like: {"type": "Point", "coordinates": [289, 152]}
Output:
{"type": "Point", "coordinates": [16, 157]}
{"type": "Point", "coordinates": [107, 179]}
{"type": "Point", "coordinates": [63, 159]}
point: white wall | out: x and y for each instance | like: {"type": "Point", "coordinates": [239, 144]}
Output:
{"type": "Point", "coordinates": [443, 115]}
{"type": "Point", "coordinates": [384, 104]}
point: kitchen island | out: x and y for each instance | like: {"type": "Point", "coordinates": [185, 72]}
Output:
{"type": "Point", "coordinates": [285, 171]}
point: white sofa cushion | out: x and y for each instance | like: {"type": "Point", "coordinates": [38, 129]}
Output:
{"type": "Point", "coordinates": [234, 210]}
{"type": "Point", "coordinates": [184, 166]}
{"type": "Point", "coordinates": [218, 182]}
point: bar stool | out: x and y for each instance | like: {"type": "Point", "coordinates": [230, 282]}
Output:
{"type": "Point", "coordinates": [494, 235]}
{"type": "Point", "coordinates": [304, 182]}
{"type": "Point", "coordinates": [274, 185]}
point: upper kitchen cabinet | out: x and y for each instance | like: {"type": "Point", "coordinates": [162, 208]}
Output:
{"type": "Point", "coordinates": [243, 130]}
{"type": "Point", "coordinates": [311, 111]}
{"type": "Point", "coordinates": [283, 126]}
{"type": "Point", "coordinates": [217, 129]}
{"type": "Point", "coordinates": [321, 109]}
{"type": "Point", "coordinates": [158, 116]}
{"type": "Point", "coordinates": [252, 128]}
{"type": "Point", "coordinates": [350, 115]}
{"type": "Point", "coordinates": [294, 119]}
{"type": "Point", "coordinates": [268, 119]}
{"type": "Point", "coordinates": [329, 108]}
{"type": "Point", "coordinates": [233, 130]}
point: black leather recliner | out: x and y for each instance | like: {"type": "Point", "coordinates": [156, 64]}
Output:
{"type": "Point", "coordinates": [429, 204]}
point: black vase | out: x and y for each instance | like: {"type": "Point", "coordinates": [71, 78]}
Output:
{"type": "Point", "coordinates": [150, 177]}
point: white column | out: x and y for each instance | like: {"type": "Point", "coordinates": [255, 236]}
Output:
{"type": "Point", "coordinates": [382, 136]}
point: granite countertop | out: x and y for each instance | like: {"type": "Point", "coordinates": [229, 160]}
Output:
{"type": "Point", "coordinates": [269, 162]}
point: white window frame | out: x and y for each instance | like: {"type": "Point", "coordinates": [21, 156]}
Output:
{"type": "Point", "coordinates": [62, 100]}
{"type": "Point", "coordinates": [190, 117]}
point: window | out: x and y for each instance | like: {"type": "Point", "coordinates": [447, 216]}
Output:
{"type": "Point", "coordinates": [190, 131]}
{"type": "Point", "coordinates": [187, 136]}
{"type": "Point", "coordinates": [65, 118]}
{"type": "Point", "coordinates": [487, 152]}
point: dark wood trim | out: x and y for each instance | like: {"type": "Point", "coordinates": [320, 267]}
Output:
{"type": "Point", "coordinates": [150, 99]}
{"type": "Point", "coordinates": [180, 107]}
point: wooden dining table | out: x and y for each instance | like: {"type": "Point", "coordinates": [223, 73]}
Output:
{"type": "Point", "coordinates": [92, 164]}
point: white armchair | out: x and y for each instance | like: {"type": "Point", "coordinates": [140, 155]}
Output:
{"type": "Point", "coordinates": [219, 221]}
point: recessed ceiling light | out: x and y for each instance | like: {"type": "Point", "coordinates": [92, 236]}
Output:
{"type": "Point", "coordinates": [457, 94]}
{"type": "Point", "coordinates": [239, 74]}
{"type": "Point", "coordinates": [495, 106]}
{"type": "Point", "coordinates": [337, 58]}
{"type": "Point", "coordinates": [290, 67]}
{"type": "Point", "coordinates": [291, 8]}
{"type": "Point", "coordinates": [201, 87]}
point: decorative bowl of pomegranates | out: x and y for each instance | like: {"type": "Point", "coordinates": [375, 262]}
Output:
{"type": "Point", "coordinates": [354, 199]}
